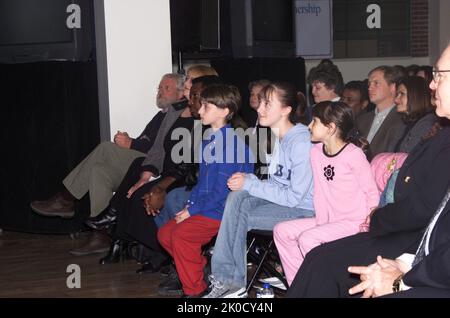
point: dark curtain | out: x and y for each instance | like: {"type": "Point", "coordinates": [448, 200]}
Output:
{"type": "Point", "coordinates": [241, 72]}
{"type": "Point", "coordinates": [49, 122]}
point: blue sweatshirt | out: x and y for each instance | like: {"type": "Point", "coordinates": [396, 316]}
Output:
{"type": "Point", "coordinates": [221, 156]}
{"type": "Point", "coordinates": [290, 181]}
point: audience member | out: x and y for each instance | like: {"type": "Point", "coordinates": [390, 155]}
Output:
{"type": "Point", "coordinates": [344, 188]}
{"type": "Point", "coordinates": [383, 127]}
{"type": "Point", "coordinates": [260, 204]}
{"type": "Point", "coordinates": [398, 227]}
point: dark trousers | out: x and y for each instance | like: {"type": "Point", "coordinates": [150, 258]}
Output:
{"type": "Point", "coordinates": [324, 271]}
{"type": "Point", "coordinates": [133, 223]}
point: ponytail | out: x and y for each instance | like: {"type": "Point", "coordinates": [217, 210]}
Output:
{"type": "Point", "coordinates": [354, 137]}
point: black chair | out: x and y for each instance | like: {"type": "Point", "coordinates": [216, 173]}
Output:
{"type": "Point", "coordinates": [262, 252]}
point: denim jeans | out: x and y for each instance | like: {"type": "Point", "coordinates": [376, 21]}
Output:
{"type": "Point", "coordinates": [243, 213]}
{"type": "Point", "coordinates": [175, 201]}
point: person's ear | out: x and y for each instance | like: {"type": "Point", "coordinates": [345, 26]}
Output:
{"type": "Point", "coordinates": [286, 110]}
{"type": "Point", "coordinates": [227, 114]}
{"type": "Point", "coordinates": [332, 129]}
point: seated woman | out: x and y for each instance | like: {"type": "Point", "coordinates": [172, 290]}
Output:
{"type": "Point", "coordinates": [396, 228]}
{"type": "Point", "coordinates": [344, 187]}
{"type": "Point", "coordinates": [260, 204]}
{"type": "Point", "coordinates": [222, 155]}
{"type": "Point", "coordinates": [414, 102]}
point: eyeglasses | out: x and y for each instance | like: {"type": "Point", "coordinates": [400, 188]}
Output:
{"type": "Point", "coordinates": [437, 74]}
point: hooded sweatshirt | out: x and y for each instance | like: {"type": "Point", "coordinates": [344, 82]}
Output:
{"type": "Point", "coordinates": [290, 181]}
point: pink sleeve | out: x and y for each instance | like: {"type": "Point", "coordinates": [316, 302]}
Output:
{"type": "Point", "coordinates": [365, 179]}
{"type": "Point", "coordinates": [320, 208]}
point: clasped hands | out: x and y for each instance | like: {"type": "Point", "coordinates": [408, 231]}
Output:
{"type": "Point", "coordinates": [377, 279]}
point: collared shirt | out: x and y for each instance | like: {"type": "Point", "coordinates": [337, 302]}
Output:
{"type": "Point", "coordinates": [377, 122]}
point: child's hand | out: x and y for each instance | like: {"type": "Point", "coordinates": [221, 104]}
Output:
{"type": "Point", "coordinates": [182, 215]}
{"type": "Point", "coordinates": [364, 227]}
{"type": "Point", "coordinates": [236, 181]}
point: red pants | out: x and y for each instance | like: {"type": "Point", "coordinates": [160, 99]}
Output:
{"type": "Point", "coordinates": [184, 242]}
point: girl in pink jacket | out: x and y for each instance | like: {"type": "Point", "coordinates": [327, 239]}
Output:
{"type": "Point", "coordinates": [345, 191]}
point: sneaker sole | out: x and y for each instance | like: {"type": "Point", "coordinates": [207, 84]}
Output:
{"type": "Point", "coordinates": [237, 294]}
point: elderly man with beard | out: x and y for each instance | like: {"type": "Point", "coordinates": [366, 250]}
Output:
{"type": "Point", "coordinates": [101, 172]}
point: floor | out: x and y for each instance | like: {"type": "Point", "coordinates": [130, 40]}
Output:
{"type": "Point", "coordinates": [35, 265]}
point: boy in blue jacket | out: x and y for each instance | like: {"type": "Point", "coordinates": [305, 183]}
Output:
{"type": "Point", "coordinates": [222, 155]}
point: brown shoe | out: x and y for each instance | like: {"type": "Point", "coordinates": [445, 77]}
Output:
{"type": "Point", "coordinates": [58, 205]}
{"type": "Point", "coordinates": [98, 242]}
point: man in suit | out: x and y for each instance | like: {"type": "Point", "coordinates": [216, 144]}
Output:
{"type": "Point", "coordinates": [396, 228]}
{"type": "Point", "coordinates": [383, 126]}
{"type": "Point", "coordinates": [427, 273]}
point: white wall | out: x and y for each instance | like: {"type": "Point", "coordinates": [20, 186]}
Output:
{"type": "Point", "coordinates": [138, 51]}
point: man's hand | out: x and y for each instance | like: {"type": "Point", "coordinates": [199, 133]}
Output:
{"type": "Point", "coordinates": [377, 279]}
{"type": "Point", "coordinates": [122, 140]}
{"type": "Point", "coordinates": [145, 177]}
{"type": "Point", "coordinates": [154, 200]}
{"type": "Point", "coordinates": [236, 181]}
{"type": "Point", "coordinates": [182, 215]}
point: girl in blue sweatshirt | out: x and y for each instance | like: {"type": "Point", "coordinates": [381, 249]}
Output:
{"type": "Point", "coordinates": [222, 155]}
{"type": "Point", "coordinates": [261, 204]}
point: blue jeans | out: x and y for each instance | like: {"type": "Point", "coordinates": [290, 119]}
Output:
{"type": "Point", "coordinates": [243, 213]}
{"type": "Point", "coordinates": [175, 202]}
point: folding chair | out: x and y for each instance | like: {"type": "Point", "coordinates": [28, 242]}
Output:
{"type": "Point", "coordinates": [261, 251]}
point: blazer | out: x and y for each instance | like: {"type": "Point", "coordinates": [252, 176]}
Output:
{"type": "Point", "coordinates": [389, 133]}
{"type": "Point", "coordinates": [421, 184]}
{"type": "Point", "coordinates": [434, 269]}
{"type": "Point", "coordinates": [415, 134]}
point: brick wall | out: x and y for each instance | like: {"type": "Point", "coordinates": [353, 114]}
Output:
{"type": "Point", "coordinates": [419, 28]}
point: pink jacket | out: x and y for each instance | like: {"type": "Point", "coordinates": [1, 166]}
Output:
{"type": "Point", "coordinates": [384, 164]}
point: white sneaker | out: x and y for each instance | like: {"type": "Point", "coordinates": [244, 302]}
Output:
{"type": "Point", "coordinates": [218, 288]}
{"type": "Point", "coordinates": [236, 293]}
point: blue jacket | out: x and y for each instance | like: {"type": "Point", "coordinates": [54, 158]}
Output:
{"type": "Point", "coordinates": [221, 156]}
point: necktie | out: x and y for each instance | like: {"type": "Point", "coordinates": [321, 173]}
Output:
{"type": "Point", "coordinates": [421, 252]}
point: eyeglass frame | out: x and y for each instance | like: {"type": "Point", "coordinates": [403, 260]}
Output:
{"type": "Point", "coordinates": [436, 72]}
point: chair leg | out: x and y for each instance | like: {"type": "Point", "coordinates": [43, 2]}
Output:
{"type": "Point", "coordinates": [261, 263]}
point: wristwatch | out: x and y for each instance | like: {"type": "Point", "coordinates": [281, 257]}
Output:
{"type": "Point", "coordinates": [397, 284]}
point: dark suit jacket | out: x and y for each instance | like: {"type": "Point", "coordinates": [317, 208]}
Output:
{"type": "Point", "coordinates": [421, 184]}
{"type": "Point", "coordinates": [387, 136]}
{"type": "Point", "coordinates": [434, 269]}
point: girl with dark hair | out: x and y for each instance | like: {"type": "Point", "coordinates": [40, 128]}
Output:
{"type": "Point", "coordinates": [345, 191]}
{"type": "Point", "coordinates": [414, 101]}
{"type": "Point", "coordinates": [260, 204]}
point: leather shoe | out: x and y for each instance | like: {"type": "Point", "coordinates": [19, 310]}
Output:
{"type": "Point", "coordinates": [154, 265]}
{"type": "Point", "coordinates": [98, 242]}
{"type": "Point", "coordinates": [102, 221]}
{"type": "Point", "coordinates": [171, 286]}
{"type": "Point", "coordinates": [59, 205]}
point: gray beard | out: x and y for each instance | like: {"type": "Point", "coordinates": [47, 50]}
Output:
{"type": "Point", "coordinates": [162, 104]}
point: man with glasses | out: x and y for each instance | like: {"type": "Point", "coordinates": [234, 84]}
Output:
{"type": "Point", "coordinates": [427, 272]}
{"type": "Point", "coordinates": [101, 172]}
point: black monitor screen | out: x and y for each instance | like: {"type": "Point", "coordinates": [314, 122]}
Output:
{"type": "Point", "coordinates": [272, 20]}
{"type": "Point", "coordinates": [34, 21]}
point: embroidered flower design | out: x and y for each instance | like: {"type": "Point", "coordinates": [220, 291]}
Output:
{"type": "Point", "coordinates": [329, 172]}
